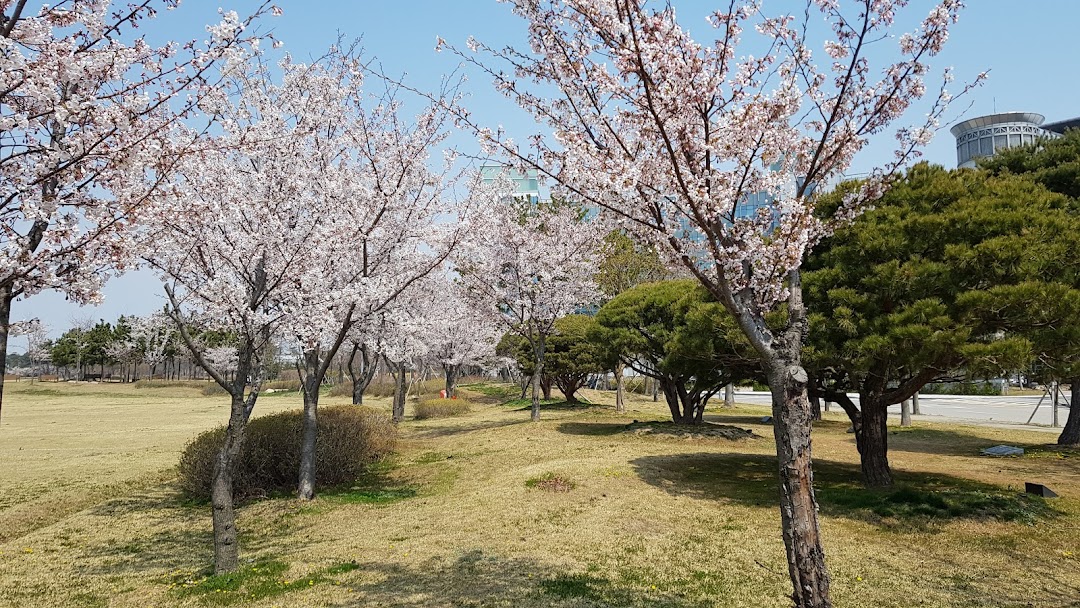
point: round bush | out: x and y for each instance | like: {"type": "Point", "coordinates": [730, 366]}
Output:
{"type": "Point", "coordinates": [350, 438]}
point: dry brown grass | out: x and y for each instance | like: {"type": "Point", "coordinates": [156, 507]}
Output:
{"type": "Point", "coordinates": [653, 520]}
{"type": "Point", "coordinates": [441, 408]}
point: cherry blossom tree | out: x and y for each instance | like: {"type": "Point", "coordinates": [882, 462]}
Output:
{"type": "Point", "coordinates": [675, 137]}
{"type": "Point", "coordinates": [152, 336]}
{"type": "Point", "coordinates": [460, 335]}
{"type": "Point", "coordinates": [86, 109]}
{"type": "Point", "coordinates": [310, 210]}
{"type": "Point", "coordinates": [37, 339]}
{"type": "Point", "coordinates": [361, 364]}
{"type": "Point", "coordinates": [529, 265]}
{"type": "Point", "coordinates": [404, 330]}
{"type": "Point", "coordinates": [380, 201]}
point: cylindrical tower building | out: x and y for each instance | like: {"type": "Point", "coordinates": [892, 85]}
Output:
{"type": "Point", "coordinates": [985, 135]}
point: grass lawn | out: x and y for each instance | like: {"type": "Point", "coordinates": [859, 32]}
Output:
{"type": "Point", "coordinates": [489, 509]}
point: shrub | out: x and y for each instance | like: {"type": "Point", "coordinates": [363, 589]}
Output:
{"type": "Point", "coordinates": [213, 388]}
{"type": "Point", "coordinates": [441, 408]}
{"type": "Point", "coordinates": [349, 440]}
{"type": "Point", "coordinates": [281, 385]}
{"type": "Point", "coordinates": [144, 383]}
{"type": "Point", "coordinates": [383, 386]}
{"type": "Point", "coordinates": [962, 388]}
{"type": "Point", "coordinates": [342, 389]}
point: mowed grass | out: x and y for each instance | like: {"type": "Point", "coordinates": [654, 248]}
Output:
{"type": "Point", "coordinates": [89, 515]}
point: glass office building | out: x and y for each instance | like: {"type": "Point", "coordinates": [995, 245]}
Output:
{"type": "Point", "coordinates": [526, 185]}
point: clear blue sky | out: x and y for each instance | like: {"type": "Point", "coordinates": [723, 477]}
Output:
{"type": "Point", "coordinates": [1027, 50]}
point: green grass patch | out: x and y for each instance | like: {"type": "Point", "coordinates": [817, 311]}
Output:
{"type": "Point", "coordinates": [431, 457]}
{"type": "Point", "coordinates": [497, 391]}
{"type": "Point", "coordinates": [252, 583]}
{"type": "Point", "coordinates": [957, 501]}
{"type": "Point", "coordinates": [568, 586]}
{"type": "Point", "coordinates": [372, 496]}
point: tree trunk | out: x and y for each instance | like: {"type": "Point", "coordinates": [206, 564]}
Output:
{"type": "Point", "coordinates": [620, 396]}
{"type": "Point", "coordinates": [729, 395]}
{"type": "Point", "coordinates": [309, 384]}
{"type": "Point", "coordinates": [905, 413]}
{"type": "Point", "coordinates": [671, 396]}
{"type": "Point", "coordinates": [569, 388]}
{"type": "Point", "coordinates": [915, 404]}
{"type": "Point", "coordinates": [226, 547]}
{"type": "Point", "coordinates": [1070, 435]}
{"type": "Point", "coordinates": [362, 377]}
{"type": "Point", "coordinates": [451, 380]}
{"type": "Point", "coordinates": [872, 439]}
{"type": "Point", "coordinates": [399, 391]}
{"type": "Point", "coordinates": [5, 326]}
{"type": "Point", "coordinates": [655, 392]}
{"type": "Point", "coordinates": [792, 421]}
{"type": "Point", "coordinates": [538, 378]}
{"type": "Point", "coordinates": [545, 385]}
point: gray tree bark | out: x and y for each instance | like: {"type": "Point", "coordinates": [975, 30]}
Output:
{"type": "Point", "coordinates": [310, 382]}
{"type": "Point", "coordinates": [915, 404]}
{"type": "Point", "coordinates": [729, 395]}
{"type": "Point", "coordinates": [792, 421]}
{"type": "Point", "coordinates": [226, 547]}
{"type": "Point", "coordinates": [400, 386]}
{"type": "Point", "coordinates": [361, 371]}
{"type": "Point", "coordinates": [451, 379]}
{"type": "Point", "coordinates": [538, 374]}
{"type": "Point", "coordinates": [620, 397]}
{"type": "Point", "coordinates": [5, 327]}
{"type": "Point", "coordinates": [905, 413]}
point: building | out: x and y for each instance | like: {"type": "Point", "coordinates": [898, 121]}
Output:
{"type": "Point", "coordinates": [526, 185]}
{"type": "Point", "coordinates": [986, 135]}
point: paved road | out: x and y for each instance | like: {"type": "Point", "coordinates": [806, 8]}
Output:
{"type": "Point", "coordinates": [988, 410]}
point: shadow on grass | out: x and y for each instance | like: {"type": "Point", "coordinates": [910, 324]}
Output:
{"type": "Point", "coordinates": [661, 428]}
{"type": "Point", "coordinates": [916, 499]}
{"type": "Point", "coordinates": [479, 579]}
{"type": "Point", "coordinates": [432, 432]}
{"type": "Point", "coordinates": [591, 429]}
{"type": "Point", "coordinates": [372, 489]}
{"type": "Point", "coordinates": [924, 440]}
{"type": "Point", "coordinates": [553, 405]}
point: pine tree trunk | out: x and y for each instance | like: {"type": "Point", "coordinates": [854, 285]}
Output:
{"type": "Point", "coordinates": [872, 439]}
{"type": "Point", "coordinates": [5, 326]}
{"type": "Point", "coordinates": [671, 396]}
{"type": "Point", "coordinates": [226, 547]}
{"type": "Point", "coordinates": [620, 396]}
{"type": "Point", "coordinates": [1070, 435]}
{"type": "Point", "coordinates": [729, 395]}
{"type": "Point", "coordinates": [915, 404]}
{"type": "Point", "coordinates": [905, 413]}
{"type": "Point", "coordinates": [792, 422]}
{"type": "Point", "coordinates": [545, 386]}
{"type": "Point", "coordinates": [655, 391]}
{"type": "Point", "coordinates": [399, 392]}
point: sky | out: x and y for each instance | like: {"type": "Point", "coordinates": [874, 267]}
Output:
{"type": "Point", "coordinates": [1027, 52]}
